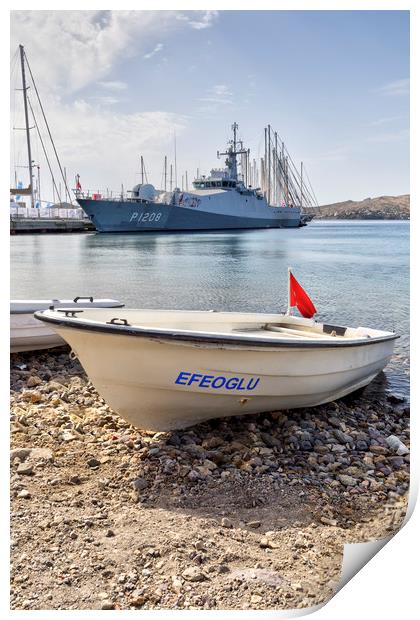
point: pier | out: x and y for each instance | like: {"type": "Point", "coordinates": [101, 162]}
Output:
{"type": "Point", "coordinates": [49, 225]}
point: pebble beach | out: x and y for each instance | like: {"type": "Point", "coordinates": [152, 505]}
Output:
{"type": "Point", "coordinates": [248, 512]}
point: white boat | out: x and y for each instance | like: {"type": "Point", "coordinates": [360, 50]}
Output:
{"type": "Point", "coordinates": [28, 334]}
{"type": "Point", "coordinates": [163, 369]}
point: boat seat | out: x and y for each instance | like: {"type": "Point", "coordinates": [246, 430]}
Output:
{"type": "Point", "coordinates": [288, 331]}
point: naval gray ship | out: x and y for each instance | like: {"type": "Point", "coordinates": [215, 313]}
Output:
{"type": "Point", "coordinates": [223, 200]}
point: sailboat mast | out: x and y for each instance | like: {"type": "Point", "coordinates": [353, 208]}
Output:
{"type": "Point", "coordinates": [301, 184]}
{"type": "Point", "coordinates": [265, 162]}
{"type": "Point", "coordinates": [175, 166]}
{"type": "Point", "coordinates": [166, 170]}
{"type": "Point", "coordinates": [28, 135]}
{"type": "Point", "coordinates": [269, 165]}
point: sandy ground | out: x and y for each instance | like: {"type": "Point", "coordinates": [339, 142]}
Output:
{"type": "Point", "coordinates": [247, 512]}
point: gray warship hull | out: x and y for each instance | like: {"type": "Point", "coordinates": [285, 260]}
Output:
{"type": "Point", "coordinates": [139, 217]}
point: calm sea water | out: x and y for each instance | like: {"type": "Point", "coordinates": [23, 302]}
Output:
{"type": "Point", "coordinates": [357, 272]}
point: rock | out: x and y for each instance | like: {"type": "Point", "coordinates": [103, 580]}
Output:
{"type": "Point", "coordinates": [35, 397]}
{"type": "Point", "coordinates": [327, 521]}
{"type": "Point", "coordinates": [33, 381]}
{"type": "Point", "coordinates": [270, 441]}
{"type": "Point", "coordinates": [140, 484]}
{"type": "Point", "coordinates": [306, 446]}
{"type": "Point", "coordinates": [40, 454]}
{"type": "Point", "coordinates": [137, 598]}
{"type": "Point", "coordinates": [256, 598]}
{"type": "Point", "coordinates": [193, 573]}
{"type": "Point", "coordinates": [24, 493]}
{"type": "Point", "coordinates": [378, 449]}
{"type": "Point", "coordinates": [226, 523]}
{"type": "Point", "coordinates": [266, 543]}
{"type": "Point", "coordinates": [24, 469]}
{"type": "Point", "coordinates": [107, 604]}
{"type": "Point", "coordinates": [68, 436]}
{"type": "Point", "coordinates": [20, 453]}
{"type": "Point", "coordinates": [254, 524]}
{"type": "Point", "coordinates": [335, 421]}
{"type": "Point", "coordinates": [109, 533]}
{"type": "Point", "coordinates": [395, 398]}
{"type": "Point", "coordinates": [347, 481]}
{"type": "Point", "coordinates": [342, 437]}
{"type": "Point", "coordinates": [396, 461]}
{"type": "Point", "coordinates": [396, 445]}
{"type": "Point", "coordinates": [213, 442]}
{"type": "Point", "coordinates": [93, 463]}
{"type": "Point", "coordinates": [54, 386]}
{"type": "Point", "coordinates": [362, 445]}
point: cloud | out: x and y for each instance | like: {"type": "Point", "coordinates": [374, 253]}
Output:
{"type": "Point", "coordinates": [92, 43]}
{"type": "Point", "coordinates": [116, 85]}
{"type": "Point", "coordinates": [385, 121]}
{"type": "Point", "coordinates": [154, 51]}
{"type": "Point", "coordinates": [389, 137]}
{"type": "Point", "coordinates": [199, 19]}
{"type": "Point", "coordinates": [398, 87]}
{"type": "Point", "coordinates": [219, 94]}
{"type": "Point", "coordinates": [105, 99]}
{"type": "Point", "coordinates": [92, 134]}
{"type": "Point", "coordinates": [104, 145]}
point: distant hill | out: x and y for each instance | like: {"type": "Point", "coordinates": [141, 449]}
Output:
{"type": "Point", "coordinates": [381, 208]}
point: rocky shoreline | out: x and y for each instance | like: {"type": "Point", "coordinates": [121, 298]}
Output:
{"type": "Point", "coordinates": [239, 513]}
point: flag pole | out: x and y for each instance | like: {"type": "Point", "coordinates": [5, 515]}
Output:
{"type": "Point", "coordinates": [288, 290]}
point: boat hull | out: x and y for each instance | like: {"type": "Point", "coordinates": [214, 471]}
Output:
{"type": "Point", "coordinates": [28, 334]}
{"type": "Point", "coordinates": [114, 216]}
{"type": "Point", "coordinates": [162, 385]}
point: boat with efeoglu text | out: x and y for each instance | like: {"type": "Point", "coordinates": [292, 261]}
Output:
{"type": "Point", "coordinates": [163, 369]}
{"type": "Point", "coordinates": [271, 195]}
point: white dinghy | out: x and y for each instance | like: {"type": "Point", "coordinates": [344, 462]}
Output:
{"type": "Point", "coordinates": [28, 334]}
{"type": "Point", "coordinates": [163, 369]}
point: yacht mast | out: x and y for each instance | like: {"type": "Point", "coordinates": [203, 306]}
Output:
{"type": "Point", "coordinates": [28, 135]}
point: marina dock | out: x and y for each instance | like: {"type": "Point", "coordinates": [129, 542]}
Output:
{"type": "Point", "coordinates": [49, 225]}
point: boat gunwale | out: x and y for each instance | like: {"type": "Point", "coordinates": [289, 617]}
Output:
{"type": "Point", "coordinates": [160, 334]}
{"type": "Point", "coordinates": [63, 304]}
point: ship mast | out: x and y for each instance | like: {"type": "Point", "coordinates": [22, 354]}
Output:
{"type": "Point", "coordinates": [232, 153]}
{"type": "Point", "coordinates": [28, 135]}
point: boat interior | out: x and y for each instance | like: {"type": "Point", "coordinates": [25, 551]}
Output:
{"type": "Point", "coordinates": [271, 326]}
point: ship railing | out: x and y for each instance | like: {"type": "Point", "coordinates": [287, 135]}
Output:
{"type": "Point", "coordinates": [98, 194]}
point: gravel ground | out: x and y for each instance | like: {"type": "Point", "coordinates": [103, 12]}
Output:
{"type": "Point", "coordinates": [238, 513]}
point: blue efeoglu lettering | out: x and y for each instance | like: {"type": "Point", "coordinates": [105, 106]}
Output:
{"type": "Point", "coordinates": [217, 382]}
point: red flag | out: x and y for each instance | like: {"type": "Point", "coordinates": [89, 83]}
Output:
{"type": "Point", "coordinates": [299, 298]}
